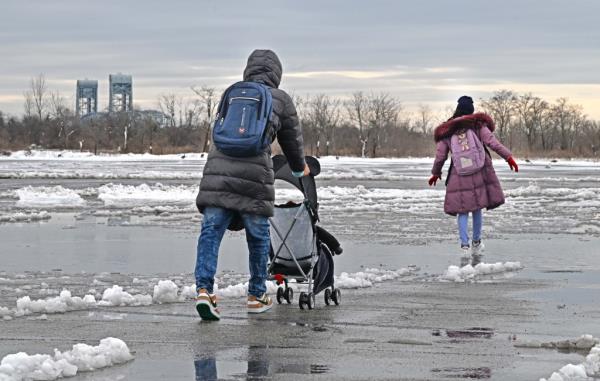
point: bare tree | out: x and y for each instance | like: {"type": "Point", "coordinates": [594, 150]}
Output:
{"type": "Point", "coordinates": [384, 113]}
{"type": "Point", "coordinates": [39, 95]}
{"type": "Point", "coordinates": [424, 119]}
{"type": "Point", "coordinates": [358, 108]}
{"type": "Point", "coordinates": [209, 103]}
{"type": "Point", "coordinates": [28, 104]}
{"type": "Point", "coordinates": [324, 114]}
{"type": "Point", "coordinates": [567, 120]}
{"type": "Point", "coordinates": [167, 105]}
{"type": "Point", "coordinates": [531, 112]}
{"type": "Point", "coordinates": [501, 107]}
{"type": "Point", "coordinates": [57, 104]}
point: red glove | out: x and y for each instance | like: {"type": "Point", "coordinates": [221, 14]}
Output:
{"type": "Point", "coordinates": [433, 180]}
{"type": "Point", "coordinates": [512, 164]}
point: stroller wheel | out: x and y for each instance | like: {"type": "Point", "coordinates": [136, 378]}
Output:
{"type": "Point", "coordinates": [302, 300]}
{"type": "Point", "coordinates": [310, 301]}
{"type": "Point", "coordinates": [288, 295]}
{"type": "Point", "coordinates": [336, 296]}
{"type": "Point", "coordinates": [327, 296]}
{"type": "Point", "coordinates": [279, 294]}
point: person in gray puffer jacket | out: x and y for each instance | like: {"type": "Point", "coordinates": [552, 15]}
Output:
{"type": "Point", "coordinates": [239, 191]}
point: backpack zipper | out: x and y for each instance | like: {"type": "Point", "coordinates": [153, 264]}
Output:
{"type": "Point", "coordinates": [245, 98]}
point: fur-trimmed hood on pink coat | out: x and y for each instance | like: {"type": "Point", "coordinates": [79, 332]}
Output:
{"type": "Point", "coordinates": [474, 121]}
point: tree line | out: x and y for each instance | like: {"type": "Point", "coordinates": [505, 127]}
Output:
{"type": "Point", "coordinates": [361, 124]}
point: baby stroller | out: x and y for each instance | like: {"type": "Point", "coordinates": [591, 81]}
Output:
{"type": "Point", "coordinates": [300, 249]}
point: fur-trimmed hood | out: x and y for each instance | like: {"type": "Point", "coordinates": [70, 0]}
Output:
{"type": "Point", "coordinates": [474, 121]}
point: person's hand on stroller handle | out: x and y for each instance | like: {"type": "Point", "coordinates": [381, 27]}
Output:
{"type": "Point", "coordinates": [306, 170]}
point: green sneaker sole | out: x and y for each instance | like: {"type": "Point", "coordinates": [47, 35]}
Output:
{"type": "Point", "coordinates": [206, 313]}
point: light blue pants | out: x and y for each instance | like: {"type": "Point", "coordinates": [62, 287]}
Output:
{"type": "Point", "coordinates": [463, 227]}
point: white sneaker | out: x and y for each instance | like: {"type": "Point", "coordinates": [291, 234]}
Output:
{"type": "Point", "coordinates": [258, 305]}
{"type": "Point", "coordinates": [478, 248]}
{"type": "Point", "coordinates": [465, 256]}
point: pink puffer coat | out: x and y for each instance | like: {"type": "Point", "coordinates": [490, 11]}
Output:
{"type": "Point", "coordinates": [477, 191]}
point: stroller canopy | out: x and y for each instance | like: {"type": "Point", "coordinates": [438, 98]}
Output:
{"type": "Point", "coordinates": [305, 184]}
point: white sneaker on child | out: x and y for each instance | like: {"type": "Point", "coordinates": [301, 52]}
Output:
{"type": "Point", "coordinates": [478, 248]}
{"type": "Point", "coordinates": [465, 256]}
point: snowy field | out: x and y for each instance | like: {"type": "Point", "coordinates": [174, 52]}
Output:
{"type": "Point", "coordinates": [84, 234]}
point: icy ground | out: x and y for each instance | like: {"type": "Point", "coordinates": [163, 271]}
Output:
{"type": "Point", "coordinates": [390, 196]}
{"type": "Point", "coordinates": [98, 246]}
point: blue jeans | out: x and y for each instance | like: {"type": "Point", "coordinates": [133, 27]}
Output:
{"type": "Point", "coordinates": [463, 229]}
{"type": "Point", "coordinates": [214, 225]}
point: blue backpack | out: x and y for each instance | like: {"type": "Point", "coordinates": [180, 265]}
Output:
{"type": "Point", "coordinates": [243, 126]}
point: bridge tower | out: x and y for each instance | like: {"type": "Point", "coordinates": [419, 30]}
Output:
{"type": "Point", "coordinates": [120, 93]}
{"type": "Point", "coordinates": [86, 102]}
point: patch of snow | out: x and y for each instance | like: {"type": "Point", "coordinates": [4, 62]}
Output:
{"type": "Point", "coordinates": [368, 277]}
{"type": "Point", "coordinates": [165, 292]}
{"type": "Point", "coordinates": [588, 370]}
{"type": "Point", "coordinates": [60, 304]}
{"type": "Point", "coordinates": [115, 296]}
{"type": "Point", "coordinates": [5, 312]}
{"type": "Point", "coordinates": [362, 279]}
{"type": "Point", "coordinates": [118, 195]}
{"type": "Point", "coordinates": [470, 273]}
{"type": "Point", "coordinates": [188, 292]}
{"type": "Point", "coordinates": [82, 358]}
{"type": "Point", "coordinates": [582, 342]}
{"type": "Point", "coordinates": [25, 216]}
{"type": "Point", "coordinates": [35, 197]}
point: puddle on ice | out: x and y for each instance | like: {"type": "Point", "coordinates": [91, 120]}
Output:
{"type": "Point", "coordinates": [359, 340]}
{"type": "Point", "coordinates": [469, 373]}
{"type": "Point", "coordinates": [467, 333]}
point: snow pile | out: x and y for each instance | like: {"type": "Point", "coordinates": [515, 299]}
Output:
{"type": "Point", "coordinates": [188, 292]}
{"type": "Point", "coordinates": [583, 342]}
{"type": "Point", "coordinates": [378, 200]}
{"type": "Point", "coordinates": [62, 303]}
{"type": "Point", "coordinates": [368, 277]}
{"type": "Point", "coordinates": [5, 313]}
{"type": "Point", "coordinates": [63, 155]}
{"type": "Point", "coordinates": [470, 273]}
{"type": "Point", "coordinates": [35, 197]}
{"type": "Point", "coordinates": [119, 195]}
{"type": "Point", "coordinates": [165, 292]}
{"type": "Point", "coordinates": [588, 370]}
{"type": "Point", "coordinates": [25, 216]}
{"type": "Point", "coordinates": [82, 358]}
{"type": "Point", "coordinates": [362, 279]}
{"type": "Point", "coordinates": [115, 296]}
{"type": "Point", "coordinates": [163, 209]}
{"type": "Point", "coordinates": [94, 173]}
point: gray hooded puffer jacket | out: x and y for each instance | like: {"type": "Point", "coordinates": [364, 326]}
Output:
{"type": "Point", "coordinates": [245, 184]}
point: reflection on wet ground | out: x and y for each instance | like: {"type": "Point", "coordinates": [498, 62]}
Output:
{"type": "Point", "coordinates": [258, 365]}
{"type": "Point", "coordinates": [468, 373]}
{"type": "Point", "coordinates": [471, 333]}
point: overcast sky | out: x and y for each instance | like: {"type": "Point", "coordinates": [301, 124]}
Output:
{"type": "Point", "coordinates": [423, 51]}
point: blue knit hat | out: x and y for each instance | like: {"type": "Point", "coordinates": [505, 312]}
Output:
{"type": "Point", "coordinates": [465, 106]}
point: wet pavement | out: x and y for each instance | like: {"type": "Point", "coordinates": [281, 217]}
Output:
{"type": "Point", "coordinates": [398, 330]}
{"type": "Point", "coordinates": [412, 328]}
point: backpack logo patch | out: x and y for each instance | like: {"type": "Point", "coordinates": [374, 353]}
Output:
{"type": "Point", "coordinates": [468, 153]}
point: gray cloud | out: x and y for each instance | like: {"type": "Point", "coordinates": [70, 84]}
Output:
{"type": "Point", "coordinates": [545, 45]}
